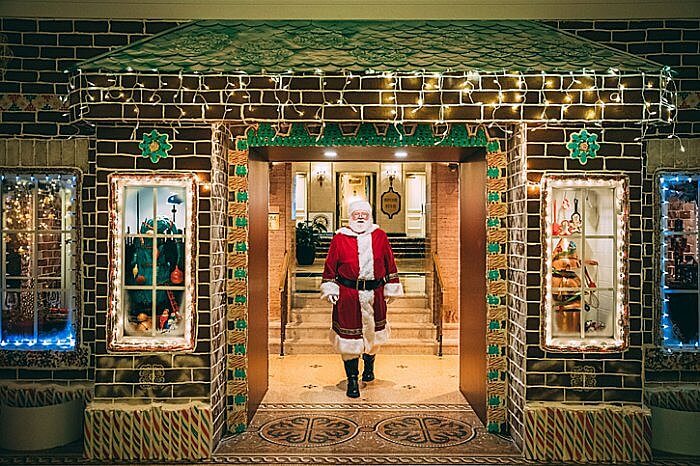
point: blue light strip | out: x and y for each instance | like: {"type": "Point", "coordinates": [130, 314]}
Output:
{"type": "Point", "coordinates": [63, 341]}
{"type": "Point", "coordinates": [667, 183]}
{"type": "Point", "coordinates": [57, 340]}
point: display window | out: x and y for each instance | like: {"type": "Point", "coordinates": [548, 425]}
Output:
{"type": "Point", "coordinates": [585, 225]}
{"type": "Point", "coordinates": [680, 307]}
{"type": "Point", "coordinates": [153, 234]}
{"type": "Point", "coordinates": [39, 229]}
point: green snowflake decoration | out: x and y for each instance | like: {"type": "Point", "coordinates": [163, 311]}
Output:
{"type": "Point", "coordinates": [155, 146]}
{"type": "Point", "coordinates": [583, 146]}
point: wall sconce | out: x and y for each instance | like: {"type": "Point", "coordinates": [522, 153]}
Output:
{"type": "Point", "coordinates": [320, 176]}
{"type": "Point", "coordinates": [391, 173]}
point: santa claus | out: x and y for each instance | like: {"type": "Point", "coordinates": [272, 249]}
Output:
{"type": "Point", "coordinates": [359, 278]}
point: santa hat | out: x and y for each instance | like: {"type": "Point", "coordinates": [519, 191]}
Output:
{"type": "Point", "coordinates": [360, 205]}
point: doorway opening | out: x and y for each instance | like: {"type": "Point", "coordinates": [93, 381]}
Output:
{"type": "Point", "coordinates": [423, 224]}
{"type": "Point", "coordinates": [451, 387]}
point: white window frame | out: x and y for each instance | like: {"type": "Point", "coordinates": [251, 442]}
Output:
{"type": "Point", "coordinates": [117, 341]}
{"type": "Point", "coordinates": [620, 339]}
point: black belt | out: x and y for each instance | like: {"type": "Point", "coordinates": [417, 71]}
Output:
{"type": "Point", "coordinates": [362, 285]}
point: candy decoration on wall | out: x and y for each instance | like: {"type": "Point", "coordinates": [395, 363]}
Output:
{"type": "Point", "coordinates": [583, 146]}
{"type": "Point", "coordinates": [558, 432]}
{"type": "Point", "coordinates": [155, 431]}
{"type": "Point", "coordinates": [155, 146]}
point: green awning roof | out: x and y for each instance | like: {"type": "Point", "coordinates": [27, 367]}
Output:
{"type": "Point", "coordinates": [331, 47]}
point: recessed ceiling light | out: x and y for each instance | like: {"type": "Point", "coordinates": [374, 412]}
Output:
{"type": "Point", "coordinates": [330, 153]}
{"type": "Point", "coordinates": [401, 153]}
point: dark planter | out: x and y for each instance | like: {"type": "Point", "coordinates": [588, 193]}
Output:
{"type": "Point", "coordinates": [306, 254]}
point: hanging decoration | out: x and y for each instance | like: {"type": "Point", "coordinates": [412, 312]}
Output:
{"type": "Point", "coordinates": [390, 200]}
{"type": "Point", "coordinates": [155, 146]}
{"type": "Point", "coordinates": [583, 146]}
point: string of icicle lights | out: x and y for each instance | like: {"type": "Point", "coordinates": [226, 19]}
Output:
{"type": "Point", "coordinates": [587, 96]}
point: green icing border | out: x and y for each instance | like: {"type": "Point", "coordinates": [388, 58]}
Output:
{"type": "Point", "coordinates": [264, 135]}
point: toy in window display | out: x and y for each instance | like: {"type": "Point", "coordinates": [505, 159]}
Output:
{"type": "Point", "coordinates": [169, 264]}
{"type": "Point", "coordinates": [566, 285]}
{"type": "Point", "coordinates": [575, 224]}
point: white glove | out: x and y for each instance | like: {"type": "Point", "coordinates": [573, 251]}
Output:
{"type": "Point", "coordinates": [332, 298]}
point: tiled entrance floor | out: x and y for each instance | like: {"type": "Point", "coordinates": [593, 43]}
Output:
{"type": "Point", "coordinates": [320, 378]}
{"type": "Point", "coordinates": [413, 408]}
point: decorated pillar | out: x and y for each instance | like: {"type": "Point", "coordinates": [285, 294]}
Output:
{"type": "Point", "coordinates": [159, 289]}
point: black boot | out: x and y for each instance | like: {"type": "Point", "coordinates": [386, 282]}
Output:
{"type": "Point", "coordinates": [368, 371]}
{"type": "Point", "coordinates": [352, 371]}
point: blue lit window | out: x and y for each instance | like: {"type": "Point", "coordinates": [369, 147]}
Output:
{"type": "Point", "coordinates": [39, 225]}
{"type": "Point", "coordinates": [680, 306]}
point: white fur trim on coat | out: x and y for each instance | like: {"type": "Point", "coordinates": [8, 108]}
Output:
{"type": "Point", "coordinates": [371, 340]}
{"type": "Point", "coordinates": [348, 348]}
{"type": "Point", "coordinates": [329, 289]}
{"type": "Point", "coordinates": [366, 257]}
{"type": "Point", "coordinates": [393, 289]}
{"type": "Point", "coordinates": [348, 232]}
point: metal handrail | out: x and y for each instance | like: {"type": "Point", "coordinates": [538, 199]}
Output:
{"type": "Point", "coordinates": [284, 299]}
{"type": "Point", "coordinates": [438, 287]}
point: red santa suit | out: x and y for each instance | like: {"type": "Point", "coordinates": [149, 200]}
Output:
{"type": "Point", "coordinates": [359, 316]}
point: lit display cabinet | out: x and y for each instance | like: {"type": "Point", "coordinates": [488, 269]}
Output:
{"type": "Point", "coordinates": [153, 243]}
{"type": "Point", "coordinates": [39, 240]}
{"type": "Point", "coordinates": [680, 307]}
{"type": "Point", "coordinates": [585, 254]}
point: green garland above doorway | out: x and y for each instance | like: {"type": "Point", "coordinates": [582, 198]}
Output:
{"type": "Point", "coordinates": [366, 134]}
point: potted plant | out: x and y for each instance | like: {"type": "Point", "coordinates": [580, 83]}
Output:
{"type": "Point", "coordinates": [308, 237]}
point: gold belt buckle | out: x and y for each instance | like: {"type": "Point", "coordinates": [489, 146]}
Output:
{"type": "Point", "coordinates": [358, 284]}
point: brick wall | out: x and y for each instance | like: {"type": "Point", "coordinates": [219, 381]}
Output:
{"type": "Point", "coordinates": [279, 240]}
{"type": "Point", "coordinates": [670, 42]}
{"type": "Point", "coordinates": [444, 214]}
{"type": "Point", "coordinates": [157, 375]}
{"type": "Point", "coordinates": [36, 53]}
{"type": "Point", "coordinates": [32, 91]}
{"type": "Point", "coordinates": [614, 377]}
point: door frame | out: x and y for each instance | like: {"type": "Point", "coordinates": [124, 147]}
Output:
{"type": "Point", "coordinates": [455, 147]}
{"type": "Point", "coordinates": [373, 196]}
{"type": "Point", "coordinates": [425, 198]}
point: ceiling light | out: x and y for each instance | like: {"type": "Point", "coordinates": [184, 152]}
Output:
{"type": "Point", "coordinates": [401, 153]}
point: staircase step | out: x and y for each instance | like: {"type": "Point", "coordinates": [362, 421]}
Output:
{"type": "Point", "coordinates": [319, 330]}
{"type": "Point", "coordinates": [393, 346]}
{"type": "Point", "coordinates": [312, 315]}
{"type": "Point", "coordinates": [300, 300]}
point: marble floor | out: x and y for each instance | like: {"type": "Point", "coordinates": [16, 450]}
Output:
{"type": "Point", "coordinates": [413, 408]}
{"type": "Point", "coordinates": [320, 378]}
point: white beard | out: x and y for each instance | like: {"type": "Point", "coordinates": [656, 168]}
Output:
{"type": "Point", "coordinates": [360, 226]}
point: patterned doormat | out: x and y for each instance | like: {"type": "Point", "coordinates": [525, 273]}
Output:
{"type": "Point", "coordinates": [377, 433]}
